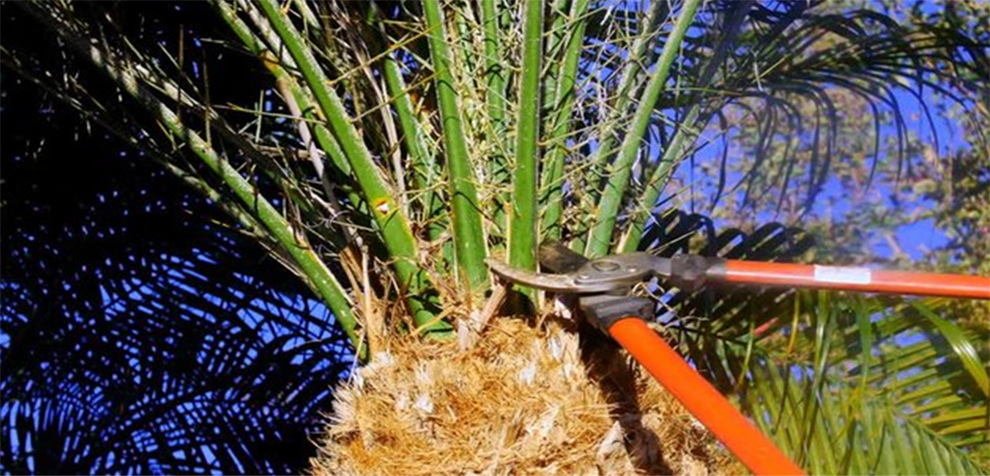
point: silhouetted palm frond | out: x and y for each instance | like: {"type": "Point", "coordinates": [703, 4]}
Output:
{"type": "Point", "coordinates": [139, 334]}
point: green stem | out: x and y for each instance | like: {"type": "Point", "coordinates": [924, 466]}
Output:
{"type": "Point", "coordinates": [469, 240]}
{"type": "Point", "coordinates": [495, 91]}
{"type": "Point", "coordinates": [683, 139]}
{"type": "Point", "coordinates": [251, 226]}
{"type": "Point", "coordinates": [687, 131]}
{"type": "Point", "coordinates": [600, 239]}
{"type": "Point", "coordinates": [557, 35]}
{"type": "Point", "coordinates": [639, 53]}
{"type": "Point", "coordinates": [522, 221]}
{"type": "Point", "coordinates": [393, 225]}
{"type": "Point", "coordinates": [338, 173]}
{"type": "Point", "coordinates": [495, 74]}
{"type": "Point", "coordinates": [291, 240]}
{"type": "Point", "coordinates": [341, 168]}
{"type": "Point", "coordinates": [307, 14]}
{"type": "Point", "coordinates": [563, 105]}
{"type": "Point", "coordinates": [424, 174]}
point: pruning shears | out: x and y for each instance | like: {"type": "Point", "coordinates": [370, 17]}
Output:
{"type": "Point", "coordinates": [602, 286]}
{"type": "Point", "coordinates": [578, 275]}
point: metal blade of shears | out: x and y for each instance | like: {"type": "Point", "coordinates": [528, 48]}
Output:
{"type": "Point", "coordinates": [558, 283]}
{"type": "Point", "coordinates": [557, 258]}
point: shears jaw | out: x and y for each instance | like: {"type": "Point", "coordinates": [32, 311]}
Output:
{"type": "Point", "coordinates": [625, 270]}
{"type": "Point", "coordinates": [611, 273]}
{"type": "Point", "coordinates": [558, 283]}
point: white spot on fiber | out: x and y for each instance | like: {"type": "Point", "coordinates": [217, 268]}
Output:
{"type": "Point", "coordinates": [542, 428]}
{"type": "Point", "coordinates": [402, 402]}
{"type": "Point", "coordinates": [423, 403]}
{"type": "Point", "coordinates": [528, 374]}
{"type": "Point", "coordinates": [556, 347]}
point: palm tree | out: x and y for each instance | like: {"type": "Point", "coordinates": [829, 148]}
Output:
{"type": "Point", "coordinates": [380, 152]}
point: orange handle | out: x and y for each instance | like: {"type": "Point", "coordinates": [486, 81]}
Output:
{"type": "Point", "coordinates": [852, 279]}
{"type": "Point", "coordinates": [700, 398]}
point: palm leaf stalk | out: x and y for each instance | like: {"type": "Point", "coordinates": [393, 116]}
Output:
{"type": "Point", "coordinates": [630, 77]}
{"type": "Point", "coordinates": [564, 98]}
{"type": "Point", "coordinates": [556, 34]}
{"type": "Point", "coordinates": [686, 133]}
{"type": "Point", "coordinates": [297, 98]}
{"type": "Point", "coordinates": [494, 69]}
{"type": "Point", "coordinates": [689, 127]}
{"type": "Point", "coordinates": [97, 113]}
{"type": "Point", "coordinates": [522, 222]}
{"type": "Point", "coordinates": [273, 62]}
{"type": "Point", "coordinates": [393, 223]}
{"type": "Point", "coordinates": [291, 240]}
{"type": "Point", "coordinates": [600, 237]}
{"type": "Point", "coordinates": [492, 19]}
{"type": "Point", "coordinates": [469, 239]}
{"type": "Point", "coordinates": [632, 72]}
{"type": "Point", "coordinates": [423, 170]}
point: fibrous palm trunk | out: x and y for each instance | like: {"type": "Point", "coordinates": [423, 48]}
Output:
{"type": "Point", "coordinates": [528, 399]}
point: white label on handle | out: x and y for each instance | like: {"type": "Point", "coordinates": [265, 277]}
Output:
{"type": "Point", "coordinates": [835, 274]}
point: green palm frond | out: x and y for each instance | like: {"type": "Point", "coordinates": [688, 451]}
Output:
{"type": "Point", "coordinates": [845, 431]}
{"type": "Point", "coordinates": [843, 409]}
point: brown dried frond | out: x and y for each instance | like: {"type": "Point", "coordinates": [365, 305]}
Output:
{"type": "Point", "coordinates": [523, 401]}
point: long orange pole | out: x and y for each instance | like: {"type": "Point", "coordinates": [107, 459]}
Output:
{"type": "Point", "coordinates": [851, 279]}
{"type": "Point", "coordinates": [699, 397]}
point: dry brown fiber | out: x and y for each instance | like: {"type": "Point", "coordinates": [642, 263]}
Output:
{"type": "Point", "coordinates": [523, 401]}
